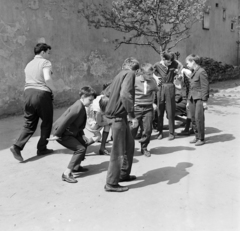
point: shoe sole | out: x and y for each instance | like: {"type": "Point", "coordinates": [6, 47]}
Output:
{"type": "Point", "coordinates": [112, 190]}
{"type": "Point", "coordinates": [147, 155]}
{"type": "Point", "coordinates": [199, 144]}
{"type": "Point", "coordinates": [16, 155]}
{"type": "Point", "coordinates": [69, 181]}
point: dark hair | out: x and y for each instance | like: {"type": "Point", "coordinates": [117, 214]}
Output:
{"type": "Point", "coordinates": [87, 91]}
{"type": "Point", "coordinates": [103, 103]}
{"type": "Point", "coordinates": [173, 56]}
{"type": "Point", "coordinates": [195, 58]}
{"type": "Point", "coordinates": [131, 63]}
{"type": "Point", "coordinates": [167, 56]}
{"type": "Point", "coordinates": [145, 68]}
{"type": "Point", "coordinates": [41, 47]}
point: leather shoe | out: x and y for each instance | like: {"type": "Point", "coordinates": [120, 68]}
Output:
{"type": "Point", "coordinates": [115, 188]}
{"type": "Point", "coordinates": [69, 179]}
{"type": "Point", "coordinates": [193, 141]}
{"type": "Point", "coordinates": [160, 136]}
{"type": "Point", "coordinates": [104, 152]}
{"type": "Point", "coordinates": [145, 152]}
{"type": "Point", "coordinates": [171, 137]}
{"type": "Point", "coordinates": [16, 153]}
{"type": "Point", "coordinates": [128, 178]}
{"type": "Point", "coordinates": [200, 142]}
{"type": "Point", "coordinates": [44, 152]}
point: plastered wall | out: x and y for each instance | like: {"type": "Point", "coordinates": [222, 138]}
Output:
{"type": "Point", "coordinates": [80, 55]}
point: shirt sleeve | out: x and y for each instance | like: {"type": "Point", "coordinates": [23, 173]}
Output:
{"type": "Point", "coordinates": [95, 104]}
{"type": "Point", "coordinates": [127, 93]}
{"type": "Point", "coordinates": [47, 63]}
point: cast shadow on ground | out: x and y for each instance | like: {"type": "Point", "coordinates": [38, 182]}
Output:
{"type": "Point", "coordinates": [211, 130]}
{"type": "Point", "coordinates": [171, 175]}
{"type": "Point", "coordinates": [219, 138]}
{"type": "Point", "coordinates": [93, 150]}
{"type": "Point", "coordinates": [94, 169]}
{"type": "Point", "coordinates": [168, 150]}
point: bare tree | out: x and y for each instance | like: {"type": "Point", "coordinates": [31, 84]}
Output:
{"type": "Point", "coordinates": [160, 24]}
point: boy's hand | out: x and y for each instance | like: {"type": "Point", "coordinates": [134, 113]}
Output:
{"type": "Point", "coordinates": [53, 138]}
{"type": "Point", "coordinates": [85, 139]}
{"type": "Point", "coordinates": [205, 107]}
{"type": "Point", "coordinates": [134, 122]}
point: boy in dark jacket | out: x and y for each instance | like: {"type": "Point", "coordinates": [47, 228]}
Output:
{"type": "Point", "coordinates": [68, 131]}
{"type": "Point", "coordinates": [197, 98]}
{"type": "Point", "coordinates": [119, 110]}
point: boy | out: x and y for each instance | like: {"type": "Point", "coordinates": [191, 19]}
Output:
{"type": "Point", "coordinates": [68, 131]}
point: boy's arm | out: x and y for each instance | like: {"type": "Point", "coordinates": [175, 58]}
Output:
{"type": "Point", "coordinates": [70, 116]}
{"type": "Point", "coordinates": [127, 93]}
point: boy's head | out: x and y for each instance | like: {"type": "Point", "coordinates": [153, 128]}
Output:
{"type": "Point", "coordinates": [167, 58]}
{"type": "Point", "coordinates": [42, 49]}
{"type": "Point", "coordinates": [87, 95]}
{"type": "Point", "coordinates": [146, 70]}
{"type": "Point", "coordinates": [192, 61]}
{"type": "Point", "coordinates": [131, 64]}
{"type": "Point", "coordinates": [103, 103]}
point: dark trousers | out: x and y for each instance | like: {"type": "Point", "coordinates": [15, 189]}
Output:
{"type": "Point", "coordinates": [38, 104]}
{"type": "Point", "coordinates": [76, 144]}
{"type": "Point", "coordinates": [144, 115]}
{"type": "Point", "coordinates": [122, 152]}
{"type": "Point", "coordinates": [166, 101]}
{"type": "Point", "coordinates": [197, 117]}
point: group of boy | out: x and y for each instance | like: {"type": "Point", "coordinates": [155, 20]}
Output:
{"type": "Point", "coordinates": [130, 98]}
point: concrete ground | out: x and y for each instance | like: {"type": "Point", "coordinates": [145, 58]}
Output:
{"type": "Point", "coordinates": [179, 188]}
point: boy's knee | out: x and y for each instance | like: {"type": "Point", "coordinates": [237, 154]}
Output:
{"type": "Point", "coordinates": [80, 150]}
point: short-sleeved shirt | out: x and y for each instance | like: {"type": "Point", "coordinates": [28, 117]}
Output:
{"type": "Point", "coordinates": [34, 73]}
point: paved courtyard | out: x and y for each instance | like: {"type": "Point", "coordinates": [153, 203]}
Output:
{"type": "Point", "coordinates": [179, 188]}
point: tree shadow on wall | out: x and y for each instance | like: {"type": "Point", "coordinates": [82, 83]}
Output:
{"type": "Point", "coordinates": [171, 175]}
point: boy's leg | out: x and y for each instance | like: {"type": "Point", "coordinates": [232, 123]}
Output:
{"type": "Point", "coordinates": [128, 153]}
{"type": "Point", "coordinates": [78, 146]}
{"type": "Point", "coordinates": [117, 152]}
{"type": "Point", "coordinates": [105, 134]}
{"type": "Point", "coordinates": [147, 126]}
{"type": "Point", "coordinates": [199, 117]}
{"type": "Point", "coordinates": [170, 108]}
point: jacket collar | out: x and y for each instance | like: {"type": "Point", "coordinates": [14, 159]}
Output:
{"type": "Point", "coordinates": [195, 71]}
